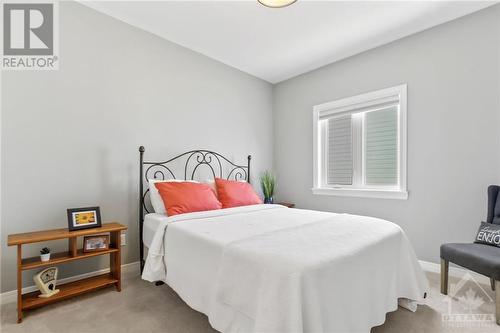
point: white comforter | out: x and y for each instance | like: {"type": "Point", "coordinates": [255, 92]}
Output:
{"type": "Point", "coordinates": [268, 268]}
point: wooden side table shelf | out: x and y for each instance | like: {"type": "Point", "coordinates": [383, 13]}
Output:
{"type": "Point", "coordinates": [67, 290]}
{"type": "Point", "coordinates": [286, 204]}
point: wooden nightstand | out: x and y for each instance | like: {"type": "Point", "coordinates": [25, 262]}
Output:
{"type": "Point", "coordinates": [287, 204]}
{"type": "Point", "coordinates": [67, 290]}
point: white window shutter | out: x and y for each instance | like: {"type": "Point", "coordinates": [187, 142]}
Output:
{"type": "Point", "coordinates": [381, 147]}
{"type": "Point", "coordinates": [340, 151]}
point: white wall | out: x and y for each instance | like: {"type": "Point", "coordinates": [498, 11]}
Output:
{"type": "Point", "coordinates": [70, 137]}
{"type": "Point", "coordinates": [452, 72]}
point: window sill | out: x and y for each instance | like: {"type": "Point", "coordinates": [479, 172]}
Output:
{"type": "Point", "coordinates": [362, 193]}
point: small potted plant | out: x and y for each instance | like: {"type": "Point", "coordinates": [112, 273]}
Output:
{"type": "Point", "coordinates": [45, 254]}
{"type": "Point", "coordinates": [268, 182]}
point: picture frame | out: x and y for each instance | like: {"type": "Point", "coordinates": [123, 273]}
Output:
{"type": "Point", "coordinates": [84, 218]}
{"type": "Point", "coordinates": [95, 243]}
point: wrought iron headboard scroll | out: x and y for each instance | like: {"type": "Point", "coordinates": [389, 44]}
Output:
{"type": "Point", "coordinates": [214, 161]}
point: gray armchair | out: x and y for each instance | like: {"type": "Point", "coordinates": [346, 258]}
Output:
{"type": "Point", "coordinates": [483, 259]}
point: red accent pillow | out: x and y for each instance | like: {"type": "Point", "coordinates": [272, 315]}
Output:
{"type": "Point", "coordinates": [187, 197]}
{"type": "Point", "coordinates": [234, 193]}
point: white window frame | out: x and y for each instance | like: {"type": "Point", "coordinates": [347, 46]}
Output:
{"type": "Point", "coordinates": [352, 103]}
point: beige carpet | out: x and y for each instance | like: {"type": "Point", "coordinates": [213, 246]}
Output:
{"type": "Point", "coordinates": [143, 307]}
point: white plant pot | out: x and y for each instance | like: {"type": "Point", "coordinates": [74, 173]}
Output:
{"type": "Point", "coordinates": [45, 257]}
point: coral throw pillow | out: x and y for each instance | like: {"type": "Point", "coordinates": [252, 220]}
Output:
{"type": "Point", "coordinates": [187, 197]}
{"type": "Point", "coordinates": [234, 193]}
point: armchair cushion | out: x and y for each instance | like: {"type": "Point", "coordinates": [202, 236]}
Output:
{"type": "Point", "coordinates": [483, 259]}
{"type": "Point", "coordinates": [493, 204]}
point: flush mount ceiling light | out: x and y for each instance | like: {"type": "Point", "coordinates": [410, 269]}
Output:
{"type": "Point", "coordinates": [276, 3]}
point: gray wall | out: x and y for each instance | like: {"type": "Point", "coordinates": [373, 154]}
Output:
{"type": "Point", "coordinates": [70, 137]}
{"type": "Point", "coordinates": [452, 72]}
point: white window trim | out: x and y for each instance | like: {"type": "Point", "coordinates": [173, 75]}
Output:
{"type": "Point", "coordinates": [355, 102]}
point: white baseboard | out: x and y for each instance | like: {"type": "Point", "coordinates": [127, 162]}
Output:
{"type": "Point", "coordinates": [11, 296]}
{"type": "Point", "coordinates": [453, 271]}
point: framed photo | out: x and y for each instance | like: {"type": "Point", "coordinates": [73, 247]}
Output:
{"type": "Point", "coordinates": [83, 218]}
{"type": "Point", "coordinates": [95, 243]}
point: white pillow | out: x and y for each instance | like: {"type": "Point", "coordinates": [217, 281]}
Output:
{"type": "Point", "coordinates": [211, 183]}
{"type": "Point", "coordinates": [155, 197]}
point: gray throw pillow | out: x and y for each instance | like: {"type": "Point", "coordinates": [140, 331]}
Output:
{"type": "Point", "coordinates": [488, 234]}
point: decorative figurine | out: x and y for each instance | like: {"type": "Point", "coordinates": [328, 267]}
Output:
{"type": "Point", "coordinates": [46, 282]}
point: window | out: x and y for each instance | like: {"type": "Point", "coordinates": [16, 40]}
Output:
{"type": "Point", "coordinates": [360, 145]}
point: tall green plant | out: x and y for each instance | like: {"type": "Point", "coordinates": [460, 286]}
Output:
{"type": "Point", "coordinates": [268, 183]}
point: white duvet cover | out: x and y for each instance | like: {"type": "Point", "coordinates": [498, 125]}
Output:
{"type": "Point", "coordinates": [268, 268]}
{"type": "Point", "coordinates": [151, 223]}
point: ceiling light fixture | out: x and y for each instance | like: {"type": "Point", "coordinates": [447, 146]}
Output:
{"type": "Point", "coordinates": [276, 3]}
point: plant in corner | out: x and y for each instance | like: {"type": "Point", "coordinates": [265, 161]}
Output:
{"type": "Point", "coordinates": [268, 183]}
{"type": "Point", "coordinates": [45, 254]}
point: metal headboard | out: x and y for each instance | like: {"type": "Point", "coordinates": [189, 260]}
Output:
{"type": "Point", "coordinates": [190, 163]}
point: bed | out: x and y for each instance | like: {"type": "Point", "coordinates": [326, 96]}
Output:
{"type": "Point", "coordinates": [269, 268]}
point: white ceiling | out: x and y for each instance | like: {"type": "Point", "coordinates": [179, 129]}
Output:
{"type": "Point", "coordinates": [277, 44]}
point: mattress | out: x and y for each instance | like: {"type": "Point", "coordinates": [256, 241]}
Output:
{"type": "Point", "coordinates": [151, 223]}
